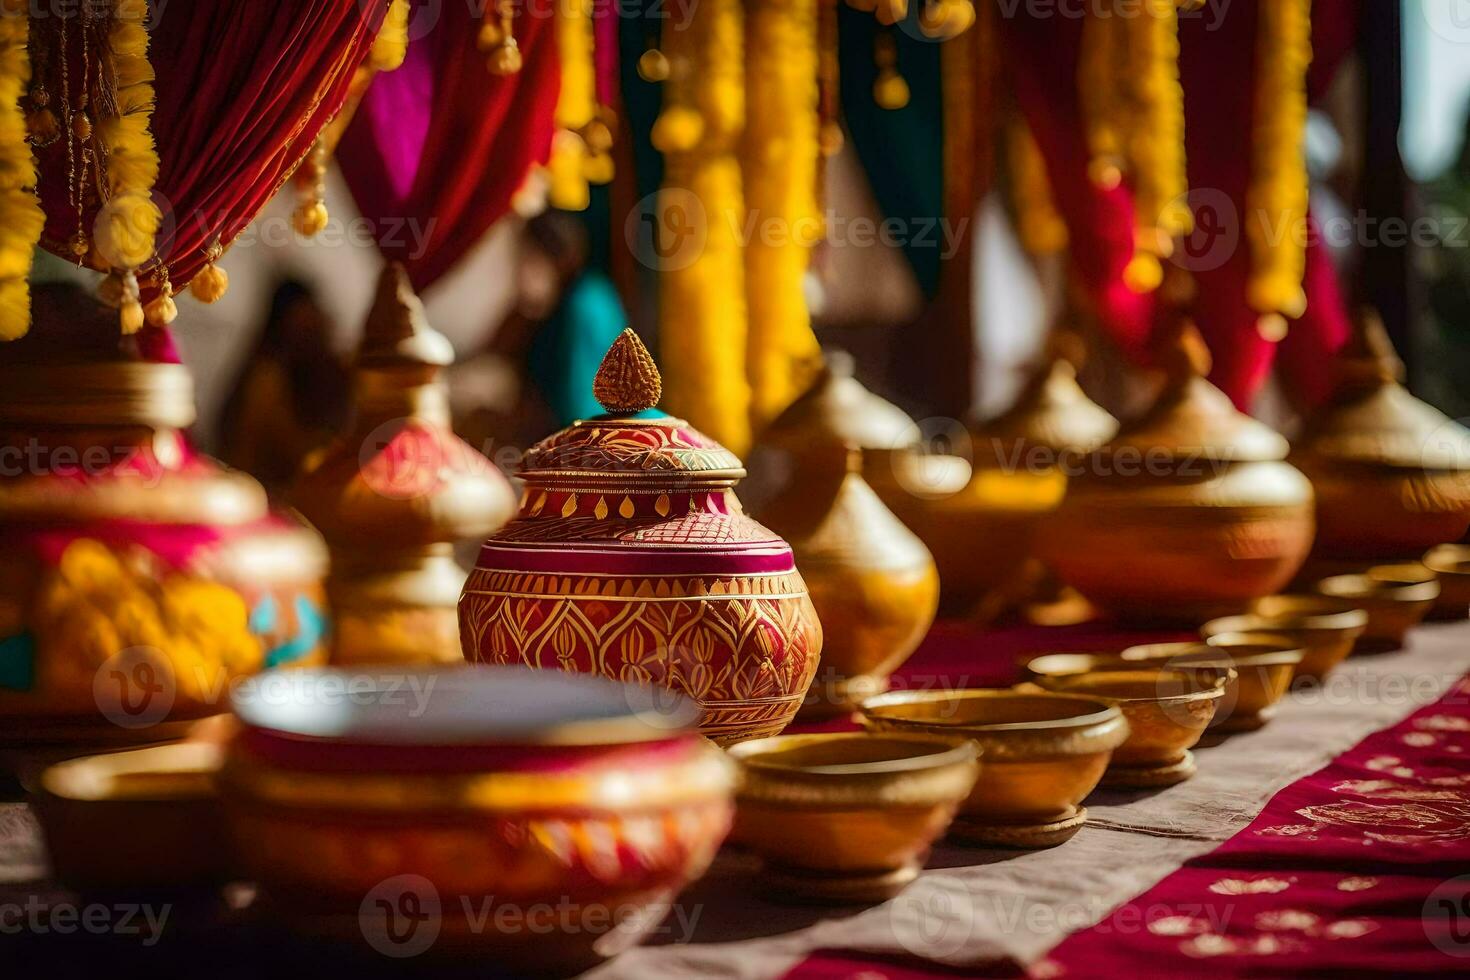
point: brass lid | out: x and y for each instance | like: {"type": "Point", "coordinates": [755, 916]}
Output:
{"type": "Point", "coordinates": [631, 443]}
{"type": "Point", "coordinates": [401, 478]}
{"type": "Point", "coordinates": [1053, 412]}
{"type": "Point", "coordinates": [1372, 419]}
{"type": "Point", "coordinates": [1192, 419]}
{"type": "Point", "coordinates": [838, 408]}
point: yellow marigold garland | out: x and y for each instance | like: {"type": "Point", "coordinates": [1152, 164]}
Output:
{"type": "Point", "coordinates": [1038, 224]}
{"type": "Point", "coordinates": [390, 47]}
{"type": "Point", "coordinates": [128, 222]}
{"type": "Point", "coordinates": [21, 218]}
{"type": "Point", "coordinates": [1134, 108]}
{"type": "Point", "coordinates": [702, 332]}
{"type": "Point", "coordinates": [576, 105]}
{"type": "Point", "coordinates": [780, 157]}
{"type": "Point", "coordinates": [1277, 199]}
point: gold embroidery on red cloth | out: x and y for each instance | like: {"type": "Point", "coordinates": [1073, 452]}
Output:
{"type": "Point", "coordinates": [1357, 884]}
{"type": "Point", "coordinates": [1251, 886]}
{"type": "Point", "coordinates": [1178, 925]}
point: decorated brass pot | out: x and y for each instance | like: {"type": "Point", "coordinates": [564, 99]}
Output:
{"type": "Point", "coordinates": [1041, 755]}
{"type": "Point", "coordinates": [980, 513]}
{"type": "Point", "coordinates": [632, 558]}
{"type": "Point", "coordinates": [139, 579]}
{"type": "Point", "coordinates": [1189, 513]}
{"type": "Point", "coordinates": [847, 817]}
{"type": "Point", "coordinates": [402, 809]}
{"type": "Point", "coordinates": [1392, 473]}
{"type": "Point", "coordinates": [872, 581]}
{"type": "Point", "coordinates": [394, 495]}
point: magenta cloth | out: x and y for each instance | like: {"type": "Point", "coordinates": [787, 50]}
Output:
{"type": "Point", "coordinates": [439, 147]}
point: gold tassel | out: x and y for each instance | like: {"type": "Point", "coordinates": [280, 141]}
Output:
{"type": "Point", "coordinates": [576, 105]}
{"type": "Point", "coordinates": [21, 218]}
{"type": "Point", "coordinates": [498, 41]}
{"type": "Point", "coordinates": [161, 309]}
{"type": "Point", "coordinates": [210, 285]}
{"type": "Point", "coordinates": [390, 47]}
{"type": "Point", "coordinates": [311, 217]}
{"type": "Point", "coordinates": [779, 160]}
{"type": "Point", "coordinates": [128, 223]}
{"type": "Point", "coordinates": [702, 285]}
{"type": "Point", "coordinates": [890, 89]}
{"type": "Point", "coordinates": [1277, 198]}
{"type": "Point", "coordinates": [1038, 224]}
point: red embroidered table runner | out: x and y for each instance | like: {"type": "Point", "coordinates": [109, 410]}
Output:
{"type": "Point", "coordinates": [1364, 866]}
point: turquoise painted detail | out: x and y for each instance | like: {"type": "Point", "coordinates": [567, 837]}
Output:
{"type": "Point", "coordinates": [311, 629]}
{"type": "Point", "coordinates": [18, 662]}
{"type": "Point", "coordinates": [263, 617]}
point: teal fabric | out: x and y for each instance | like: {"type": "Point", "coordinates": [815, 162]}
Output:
{"type": "Point", "coordinates": [18, 662]}
{"type": "Point", "coordinates": [567, 350]}
{"type": "Point", "coordinates": [902, 150]}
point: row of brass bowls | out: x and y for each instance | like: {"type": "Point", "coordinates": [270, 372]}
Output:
{"type": "Point", "coordinates": [1167, 710]}
{"type": "Point", "coordinates": [1264, 666]}
{"type": "Point", "coordinates": [1323, 627]}
{"type": "Point", "coordinates": [1043, 753]}
{"type": "Point", "coordinates": [1395, 597]}
{"type": "Point", "coordinates": [848, 817]}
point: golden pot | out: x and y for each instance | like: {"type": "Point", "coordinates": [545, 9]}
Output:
{"type": "Point", "coordinates": [397, 492]}
{"type": "Point", "coordinates": [979, 512]}
{"type": "Point", "coordinates": [396, 808]}
{"type": "Point", "coordinates": [1392, 473]}
{"type": "Point", "coordinates": [1189, 513]}
{"type": "Point", "coordinates": [1395, 597]}
{"type": "Point", "coordinates": [1167, 711]}
{"type": "Point", "coordinates": [872, 582]}
{"type": "Point", "coordinates": [1324, 628]}
{"type": "Point", "coordinates": [847, 817]}
{"type": "Point", "coordinates": [1451, 565]}
{"type": "Point", "coordinates": [1042, 754]}
{"type": "Point", "coordinates": [140, 579]}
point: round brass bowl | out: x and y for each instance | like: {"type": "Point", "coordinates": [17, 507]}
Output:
{"type": "Point", "coordinates": [1167, 711]}
{"type": "Point", "coordinates": [1323, 627]}
{"type": "Point", "coordinates": [848, 817]}
{"type": "Point", "coordinates": [1043, 754]}
{"type": "Point", "coordinates": [1263, 665]}
{"type": "Point", "coordinates": [1451, 563]}
{"type": "Point", "coordinates": [1071, 664]}
{"type": "Point", "coordinates": [1396, 598]}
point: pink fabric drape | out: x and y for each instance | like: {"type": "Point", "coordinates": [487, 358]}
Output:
{"type": "Point", "coordinates": [439, 147]}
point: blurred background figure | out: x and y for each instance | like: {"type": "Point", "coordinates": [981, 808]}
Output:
{"type": "Point", "coordinates": [290, 396]}
{"type": "Point", "coordinates": [534, 375]}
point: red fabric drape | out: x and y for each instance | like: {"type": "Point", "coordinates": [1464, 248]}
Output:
{"type": "Point", "coordinates": [438, 148]}
{"type": "Point", "coordinates": [243, 88]}
{"type": "Point", "coordinates": [1217, 70]}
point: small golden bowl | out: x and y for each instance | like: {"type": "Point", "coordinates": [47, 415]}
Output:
{"type": "Point", "coordinates": [162, 798]}
{"type": "Point", "coordinates": [1043, 753]}
{"type": "Point", "coordinates": [1168, 711]}
{"type": "Point", "coordinates": [1396, 598]}
{"type": "Point", "coordinates": [1451, 563]}
{"type": "Point", "coordinates": [1070, 664]}
{"type": "Point", "coordinates": [1325, 628]}
{"type": "Point", "coordinates": [848, 817]}
{"type": "Point", "coordinates": [1263, 664]}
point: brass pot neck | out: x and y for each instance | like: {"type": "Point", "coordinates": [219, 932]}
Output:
{"type": "Point", "coordinates": [397, 392]}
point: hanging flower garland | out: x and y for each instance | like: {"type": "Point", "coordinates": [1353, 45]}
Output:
{"type": "Point", "coordinates": [779, 160]}
{"type": "Point", "coordinates": [1039, 225]}
{"type": "Point", "coordinates": [1277, 199]}
{"type": "Point", "coordinates": [21, 218]}
{"type": "Point", "coordinates": [1133, 104]}
{"type": "Point", "coordinates": [576, 106]}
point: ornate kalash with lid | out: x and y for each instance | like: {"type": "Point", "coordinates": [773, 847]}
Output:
{"type": "Point", "coordinates": [394, 495]}
{"type": "Point", "coordinates": [139, 579]}
{"type": "Point", "coordinates": [631, 558]}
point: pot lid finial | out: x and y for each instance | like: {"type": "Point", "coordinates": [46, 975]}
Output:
{"type": "Point", "coordinates": [397, 331]}
{"type": "Point", "coordinates": [628, 381]}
